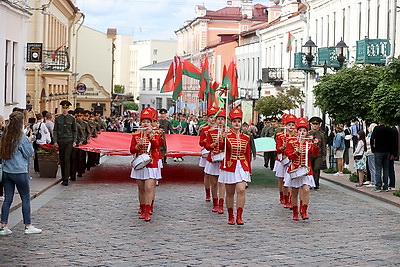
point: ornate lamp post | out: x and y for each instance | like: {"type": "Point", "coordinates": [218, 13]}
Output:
{"type": "Point", "coordinates": [341, 52]}
{"type": "Point", "coordinates": [259, 85]}
{"type": "Point", "coordinates": [311, 49]}
{"type": "Point", "coordinates": [28, 101]}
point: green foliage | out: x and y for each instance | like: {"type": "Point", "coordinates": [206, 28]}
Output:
{"type": "Point", "coordinates": [330, 170]}
{"type": "Point", "coordinates": [119, 88]}
{"type": "Point", "coordinates": [353, 177]}
{"type": "Point", "coordinates": [347, 94]}
{"type": "Point", "coordinates": [130, 105]}
{"type": "Point", "coordinates": [397, 193]}
{"type": "Point", "coordinates": [385, 99]}
{"type": "Point", "coordinates": [346, 171]}
{"type": "Point", "coordinates": [277, 105]}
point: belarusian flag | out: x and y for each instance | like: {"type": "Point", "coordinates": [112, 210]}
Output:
{"type": "Point", "coordinates": [205, 79]}
{"type": "Point", "coordinates": [178, 78]}
{"type": "Point", "coordinates": [230, 79]}
{"type": "Point", "coordinates": [289, 43]}
{"type": "Point", "coordinates": [168, 85]}
{"type": "Point", "coordinates": [190, 70]}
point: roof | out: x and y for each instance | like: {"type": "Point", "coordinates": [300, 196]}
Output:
{"type": "Point", "coordinates": [163, 65]}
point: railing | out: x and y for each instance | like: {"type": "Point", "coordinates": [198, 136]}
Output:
{"type": "Point", "coordinates": [55, 60]}
{"type": "Point", "coordinates": [272, 75]}
{"type": "Point", "coordinates": [300, 62]}
{"type": "Point", "coordinates": [328, 55]}
{"type": "Point", "coordinates": [373, 51]}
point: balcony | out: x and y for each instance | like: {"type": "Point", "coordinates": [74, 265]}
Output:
{"type": "Point", "coordinates": [273, 76]}
{"type": "Point", "coordinates": [372, 51]}
{"type": "Point", "coordinates": [300, 62]}
{"type": "Point", "coordinates": [328, 55]}
{"type": "Point", "coordinates": [55, 60]}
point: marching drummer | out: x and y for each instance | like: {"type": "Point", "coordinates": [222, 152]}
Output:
{"type": "Point", "coordinates": [214, 158]}
{"type": "Point", "coordinates": [300, 173]}
{"type": "Point", "coordinates": [146, 141]}
{"type": "Point", "coordinates": [281, 160]}
{"type": "Point", "coordinates": [236, 167]}
{"type": "Point", "coordinates": [202, 142]}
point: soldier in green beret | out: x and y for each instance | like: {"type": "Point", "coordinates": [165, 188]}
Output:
{"type": "Point", "coordinates": [65, 139]}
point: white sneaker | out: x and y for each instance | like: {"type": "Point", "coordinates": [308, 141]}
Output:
{"type": "Point", "coordinates": [5, 231]}
{"type": "Point", "coordinates": [337, 174]}
{"type": "Point", "coordinates": [340, 174]}
{"type": "Point", "coordinates": [1, 198]}
{"type": "Point", "coordinates": [370, 185]}
{"type": "Point", "coordinates": [32, 230]}
{"type": "Point", "coordinates": [179, 160]}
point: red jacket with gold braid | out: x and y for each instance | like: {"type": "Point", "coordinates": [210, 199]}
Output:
{"type": "Point", "coordinates": [280, 140]}
{"type": "Point", "coordinates": [203, 135]}
{"type": "Point", "coordinates": [142, 149]}
{"type": "Point", "coordinates": [212, 138]}
{"type": "Point", "coordinates": [161, 136]}
{"type": "Point", "coordinates": [299, 159]}
{"type": "Point", "coordinates": [237, 148]}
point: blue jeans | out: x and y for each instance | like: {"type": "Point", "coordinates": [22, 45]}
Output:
{"type": "Point", "coordinates": [21, 181]}
{"type": "Point", "coordinates": [392, 175]}
{"type": "Point", "coordinates": [381, 163]}
{"type": "Point", "coordinates": [371, 167]}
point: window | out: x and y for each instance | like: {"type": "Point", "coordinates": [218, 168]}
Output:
{"type": "Point", "coordinates": [368, 16]}
{"type": "Point", "coordinates": [378, 8]}
{"type": "Point", "coordinates": [169, 103]}
{"type": "Point", "coordinates": [327, 31]}
{"type": "Point", "coordinates": [158, 84]}
{"type": "Point", "coordinates": [155, 52]}
{"type": "Point", "coordinates": [334, 28]}
{"type": "Point", "coordinates": [150, 84]}
{"type": "Point", "coordinates": [344, 22]}
{"type": "Point", "coordinates": [9, 71]}
{"type": "Point", "coordinates": [154, 61]}
{"type": "Point", "coordinates": [158, 103]}
{"type": "Point", "coordinates": [359, 21]}
{"type": "Point", "coordinates": [144, 84]}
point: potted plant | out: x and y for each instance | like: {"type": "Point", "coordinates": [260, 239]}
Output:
{"type": "Point", "coordinates": [48, 160]}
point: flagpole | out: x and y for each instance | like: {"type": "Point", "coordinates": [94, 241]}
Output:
{"type": "Point", "coordinates": [226, 123]}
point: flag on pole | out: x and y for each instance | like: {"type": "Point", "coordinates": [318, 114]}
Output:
{"type": "Point", "coordinates": [289, 43]}
{"type": "Point", "coordinates": [53, 57]}
{"type": "Point", "coordinates": [205, 79]}
{"type": "Point", "coordinates": [178, 78]}
{"type": "Point", "coordinates": [190, 70]}
{"type": "Point", "coordinates": [230, 79]}
{"type": "Point", "coordinates": [168, 85]}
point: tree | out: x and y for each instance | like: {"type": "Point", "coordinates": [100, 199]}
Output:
{"type": "Point", "coordinates": [130, 105]}
{"type": "Point", "coordinates": [385, 101]}
{"type": "Point", "coordinates": [283, 101]}
{"type": "Point", "coordinates": [347, 94]}
{"type": "Point", "coordinates": [119, 89]}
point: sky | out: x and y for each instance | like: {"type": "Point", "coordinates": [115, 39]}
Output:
{"type": "Point", "coordinates": [144, 19]}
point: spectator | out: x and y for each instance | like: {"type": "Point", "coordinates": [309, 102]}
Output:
{"type": "Point", "coordinates": [42, 136]}
{"type": "Point", "coordinates": [347, 138]}
{"type": "Point", "coordinates": [50, 124]}
{"type": "Point", "coordinates": [370, 156]}
{"type": "Point", "coordinates": [393, 157]}
{"type": "Point", "coordinates": [360, 163]}
{"type": "Point", "coordinates": [355, 128]}
{"type": "Point", "coordinates": [1, 133]}
{"type": "Point", "coordinates": [15, 151]}
{"type": "Point", "coordinates": [329, 141]}
{"type": "Point", "coordinates": [382, 147]}
{"type": "Point", "coordinates": [338, 148]}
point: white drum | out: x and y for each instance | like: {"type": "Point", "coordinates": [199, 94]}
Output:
{"type": "Point", "coordinates": [296, 173]}
{"type": "Point", "coordinates": [218, 157]}
{"type": "Point", "coordinates": [204, 153]}
{"type": "Point", "coordinates": [140, 161]}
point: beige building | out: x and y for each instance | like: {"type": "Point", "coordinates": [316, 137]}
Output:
{"type": "Point", "coordinates": [144, 53]}
{"type": "Point", "coordinates": [12, 54]}
{"type": "Point", "coordinates": [122, 63]}
{"type": "Point", "coordinates": [54, 25]}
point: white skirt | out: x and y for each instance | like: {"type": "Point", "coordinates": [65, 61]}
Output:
{"type": "Point", "coordinates": [160, 165]}
{"type": "Point", "coordinates": [212, 168]}
{"type": "Point", "coordinates": [202, 162]}
{"type": "Point", "coordinates": [280, 169]}
{"type": "Point", "coordinates": [299, 182]}
{"type": "Point", "coordinates": [238, 176]}
{"type": "Point", "coordinates": [146, 173]}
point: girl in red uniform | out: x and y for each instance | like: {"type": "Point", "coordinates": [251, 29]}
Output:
{"type": "Point", "coordinates": [202, 142]}
{"type": "Point", "coordinates": [213, 144]}
{"type": "Point", "coordinates": [147, 176]}
{"type": "Point", "coordinates": [300, 173]}
{"type": "Point", "coordinates": [236, 168]}
{"type": "Point", "coordinates": [281, 161]}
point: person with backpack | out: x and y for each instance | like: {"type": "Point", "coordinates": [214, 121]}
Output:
{"type": "Point", "coordinates": [338, 148]}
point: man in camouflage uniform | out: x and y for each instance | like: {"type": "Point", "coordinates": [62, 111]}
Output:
{"type": "Point", "coordinates": [91, 160]}
{"type": "Point", "coordinates": [78, 155]}
{"type": "Point", "coordinates": [65, 139]}
{"type": "Point", "coordinates": [316, 161]}
{"type": "Point", "coordinates": [269, 157]}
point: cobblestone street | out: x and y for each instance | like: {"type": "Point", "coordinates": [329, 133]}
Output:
{"type": "Point", "coordinates": [96, 224]}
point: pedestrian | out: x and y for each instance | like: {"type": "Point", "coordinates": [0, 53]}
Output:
{"type": "Point", "coordinates": [370, 156]}
{"type": "Point", "coordinates": [360, 160]}
{"type": "Point", "coordinates": [282, 161]}
{"type": "Point", "coordinates": [204, 152]}
{"type": "Point", "coordinates": [15, 151]}
{"type": "Point", "coordinates": [214, 158]}
{"type": "Point", "coordinates": [382, 147]}
{"type": "Point", "coordinates": [236, 166]}
{"type": "Point", "coordinates": [393, 157]}
{"type": "Point", "coordinates": [50, 125]}
{"type": "Point", "coordinates": [42, 136]}
{"type": "Point", "coordinates": [269, 157]}
{"type": "Point", "coordinates": [77, 158]}
{"type": "Point", "coordinates": [316, 161]}
{"type": "Point", "coordinates": [338, 148]}
{"type": "Point", "coordinates": [1, 133]}
{"type": "Point", "coordinates": [300, 174]}
{"type": "Point", "coordinates": [329, 141]}
{"type": "Point", "coordinates": [347, 138]}
{"type": "Point", "coordinates": [355, 128]}
{"type": "Point", "coordinates": [145, 141]}
{"type": "Point", "coordinates": [65, 139]}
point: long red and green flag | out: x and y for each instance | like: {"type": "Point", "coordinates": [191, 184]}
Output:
{"type": "Point", "coordinates": [178, 78]}
{"type": "Point", "coordinates": [205, 79]}
{"type": "Point", "coordinates": [289, 43]}
{"type": "Point", "coordinates": [168, 85]}
{"type": "Point", "coordinates": [230, 80]}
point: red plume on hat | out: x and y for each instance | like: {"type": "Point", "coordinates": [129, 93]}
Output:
{"type": "Point", "coordinates": [146, 114]}
{"type": "Point", "coordinates": [301, 122]}
{"type": "Point", "coordinates": [211, 111]}
{"type": "Point", "coordinates": [235, 113]}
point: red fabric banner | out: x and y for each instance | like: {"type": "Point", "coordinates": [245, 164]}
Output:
{"type": "Point", "coordinates": [113, 143]}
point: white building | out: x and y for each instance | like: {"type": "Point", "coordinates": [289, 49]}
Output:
{"type": "Point", "coordinates": [122, 61]}
{"type": "Point", "coordinates": [144, 53]}
{"type": "Point", "coordinates": [13, 39]}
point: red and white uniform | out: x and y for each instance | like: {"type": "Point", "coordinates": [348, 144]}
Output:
{"type": "Point", "coordinates": [213, 136]}
{"type": "Point", "coordinates": [300, 159]}
{"type": "Point", "coordinates": [202, 143]}
{"type": "Point", "coordinates": [236, 166]}
{"type": "Point", "coordinates": [152, 170]}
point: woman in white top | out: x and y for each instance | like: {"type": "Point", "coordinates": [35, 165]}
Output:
{"type": "Point", "coordinates": [360, 163]}
{"type": "Point", "coordinates": [42, 135]}
{"type": "Point", "coordinates": [370, 156]}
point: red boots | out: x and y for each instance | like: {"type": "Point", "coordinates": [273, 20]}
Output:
{"type": "Point", "coordinates": [221, 206]}
{"type": "Point", "coordinates": [215, 205]}
{"type": "Point", "coordinates": [208, 194]}
{"type": "Point", "coordinates": [281, 198]}
{"type": "Point", "coordinates": [231, 218]}
{"type": "Point", "coordinates": [141, 211]}
{"type": "Point", "coordinates": [239, 216]}
{"type": "Point", "coordinates": [303, 212]}
{"type": "Point", "coordinates": [295, 213]}
{"type": "Point", "coordinates": [145, 212]}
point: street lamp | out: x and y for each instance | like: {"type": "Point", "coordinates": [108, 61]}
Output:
{"type": "Point", "coordinates": [311, 49]}
{"type": "Point", "coordinates": [259, 85]}
{"type": "Point", "coordinates": [341, 51]}
{"type": "Point", "coordinates": [28, 101]}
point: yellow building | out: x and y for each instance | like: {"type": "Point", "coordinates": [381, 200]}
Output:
{"type": "Point", "coordinates": [54, 25]}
